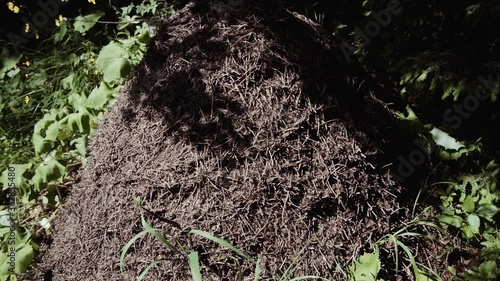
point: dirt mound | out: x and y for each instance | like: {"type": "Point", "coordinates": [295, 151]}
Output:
{"type": "Point", "coordinates": [238, 122]}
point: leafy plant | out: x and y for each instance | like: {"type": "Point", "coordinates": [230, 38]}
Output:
{"type": "Point", "coordinates": [54, 99]}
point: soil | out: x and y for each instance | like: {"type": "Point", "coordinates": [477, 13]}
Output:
{"type": "Point", "coordinates": [244, 121]}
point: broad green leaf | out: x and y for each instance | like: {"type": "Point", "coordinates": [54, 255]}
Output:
{"type": "Point", "coordinates": [50, 169]}
{"type": "Point", "coordinates": [77, 121]}
{"type": "Point", "coordinates": [83, 23]}
{"type": "Point", "coordinates": [474, 223]}
{"type": "Point", "coordinates": [467, 231]}
{"type": "Point", "coordinates": [445, 140]}
{"type": "Point", "coordinates": [42, 124]}
{"type": "Point", "coordinates": [40, 144]}
{"type": "Point", "coordinates": [99, 96]}
{"type": "Point", "coordinates": [365, 268]}
{"type": "Point", "coordinates": [455, 221]}
{"type": "Point", "coordinates": [113, 62]}
{"type": "Point", "coordinates": [489, 270]}
{"type": "Point", "coordinates": [80, 145]}
{"type": "Point", "coordinates": [7, 62]}
{"type": "Point", "coordinates": [61, 32]}
{"type": "Point", "coordinates": [23, 256]}
{"type": "Point", "coordinates": [487, 210]}
{"type": "Point", "coordinates": [68, 82]}
{"type": "Point", "coordinates": [468, 204]}
{"type": "Point", "coordinates": [19, 170]}
{"type": "Point", "coordinates": [52, 131]}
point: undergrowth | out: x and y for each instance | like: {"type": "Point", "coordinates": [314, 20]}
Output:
{"type": "Point", "coordinates": [52, 101]}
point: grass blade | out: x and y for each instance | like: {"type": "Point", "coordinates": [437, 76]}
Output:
{"type": "Point", "coordinates": [220, 241]}
{"type": "Point", "coordinates": [146, 270]}
{"type": "Point", "coordinates": [257, 270]}
{"type": "Point", "coordinates": [308, 277]}
{"type": "Point", "coordinates": [156, 233]}
{"type": "Point", "coordinates": [127, 246]}
{"type": "Point", "coordinates": [194, 265]}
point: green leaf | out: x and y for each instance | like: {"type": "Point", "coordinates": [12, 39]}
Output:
{"type": "Point", "coordinates": [24, 255]}
{"type": "Point", "coordinates": [488, 270]}
{"type": "Point", "coordinates": [257, 269]}
{"type": "Point", "coordinates": [146, 270]}
{"type": "Point", "coordinates": [40, 144]}
{"type": "Point", "coordinates": [448, 89]}
{"type": "Point", "coordinates": [455, 221]}
{"type": "Point", "coordinates": [49, 170]}
{"type": "Point", "coordinates": [366, 267]}
{"type": "Point", "coordinates": [312, 277]}
{"type": "Point", "coordinates": [220, 241]}
{"type": "Point", "coordinates": [19, 170]}
{"type": "Point", "coordinates": [468, 204]}
{"type": "Point", "coordinates": [59, 35]}
{"type": "Point", "coordinates": [445, 140]}
{"type": "Point", "coordinates": [99, 96]}
{"type": "Point", "coordinates": [52, 131]}
{"type": "Point", "coordinates": [467, 231]}
{"type": "Point", "coordinates": [421, 276]}
{"type": "Point", "coordinates": [487, 210]}
{"type": "Point", "coordinates": [194, 265]}
{"type": "Point", "coordinates": [83, 23]}
{"type": "Point", "coordinates": [68, 82]}
{"type": "Point", "coordinates": [113, 62]}
{"type": "Point", "coordinates": [7, 62]}
{"type": "Point", "coordinates": [80, 145]}
{"type": "Point", "coordinates": [474, 223]}
{"type": "Point", "coordinates": [77, 121]}
{"type": "Point", "coordinates": [127, 246]}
